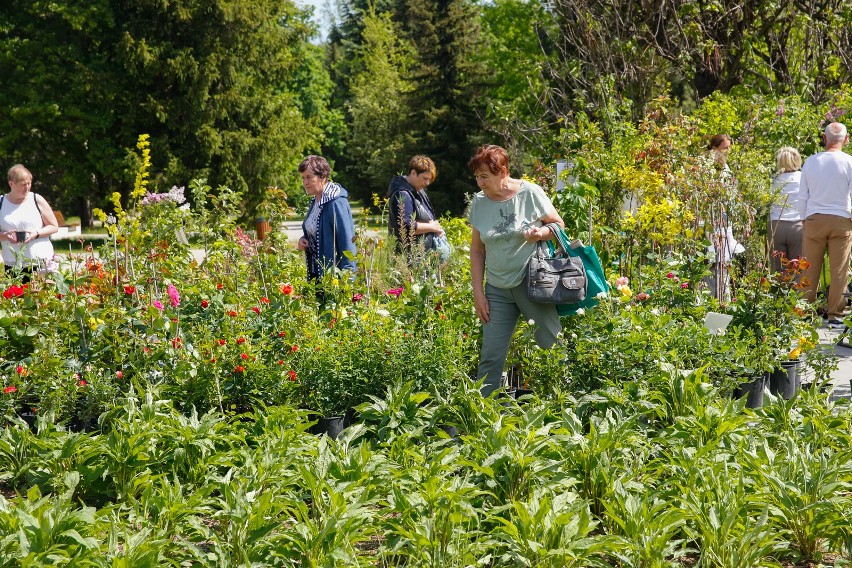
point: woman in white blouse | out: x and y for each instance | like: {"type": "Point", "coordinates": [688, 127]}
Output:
{"type": "Point", "coordinates": [785, 220]}
{"type": "Point", "coordinates": [26, 223]}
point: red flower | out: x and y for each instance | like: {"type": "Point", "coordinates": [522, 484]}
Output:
{"type": "Point", "coordinates": [294, 348]}
{"type": "Point", "coordinates": [239, 369]}
{"type": "Point", "coordinates": [292, 375]}
{"type": "Point", "coordinates": [286, 289]}
{"type": "Point", "coordinates": [219, 286]}
{"type": "Point", "coordinates": [82, 383]}
{"type": "Point", "coordinates": [241, 340]}
{"type": "Point", "coordinates": [255, 309]}
{"type": "Point", "coordinates": [282, 333]}
{"type": "Point", "coordinates": [60, 296]}
{"type": "Point", "coordinates": [129, 290]}
{"type": "Point", "coordinates": [232, 313]}
{"type": "Point", "coordinates": [244, 356]}
{"type": "Point", "coordinates": [264, 300]}
{"type": "Point", "coordinates": [204, 304]}
{"type": "Point", "coordinates": [177, 343]}
{"type": "Point", "coordinates": [280, 361]}
{"type": "Point", "coordinates": [146, 350]}
{"type": "Point", "coordinates": [10, 389]}
{"type": "Point", "coordinates": [14, 291]}
{"type": "Point", "coordinates": [213, 360]}
{"type": "Point", "coordinates": [220, 341]}
{"type": "Point", "coordinates": [118, 374]}
{"type": "Point", "coordinates": [20, 369]}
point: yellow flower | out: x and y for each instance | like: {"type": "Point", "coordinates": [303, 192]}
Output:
{"type": "Point", "coordinates": [794, 354]}
{"type": "Point", "coordinates": [625, 291]}
{"type": "Point", "coordinates": [94, 323]}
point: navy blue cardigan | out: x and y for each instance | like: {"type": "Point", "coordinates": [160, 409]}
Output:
{"type": "Point", "coordinates": [335, 235]}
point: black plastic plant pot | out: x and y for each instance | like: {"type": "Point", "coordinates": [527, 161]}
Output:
{"type": "Point", "coordinates": [784, 381]}
{"type": "Point", "coordinates": [331, 426]}
{"type": "Point", "coordinates": [753, 389]}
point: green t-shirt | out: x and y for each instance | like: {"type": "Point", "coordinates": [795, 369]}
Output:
{"type": "Point", "coordinates": [501, 227]}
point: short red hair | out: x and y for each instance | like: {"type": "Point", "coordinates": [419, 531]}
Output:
{"type": "Point", "coordinates": [490, 157]}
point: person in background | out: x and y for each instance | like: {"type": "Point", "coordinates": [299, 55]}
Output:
{"type": "Point", "coordinates": [26, 223]}
{"type": "Point", "coordinates": [723, 245]}
{"type": "Point", "coordinates": [825, 200]}
{"type": "Point", "coordinates": [719, 145]}
{"type": "Point", "coordinates": [507, 218]}
{"type": "Point", "coordinates": [785, 221]}
{"type": "Point", "coordinates": [328, 229]}
{"type": "Point", "coordinates": [411, 218]}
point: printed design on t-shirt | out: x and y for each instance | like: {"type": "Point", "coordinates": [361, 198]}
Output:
{"type": "Point", "coordinates": [507, 225]}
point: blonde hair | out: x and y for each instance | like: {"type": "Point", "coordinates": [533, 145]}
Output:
{"type": "Point", "coordinates": [788, 159]}
{"type": "Point", "coordinates": [18, 173]}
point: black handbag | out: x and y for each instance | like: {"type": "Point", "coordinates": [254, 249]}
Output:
{"type": "Point", "coordinates": [555, 278]}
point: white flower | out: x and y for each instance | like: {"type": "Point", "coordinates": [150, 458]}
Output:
{"type": "Point", "coordinates": [580, 311]}
{"type": "Point", "coordinates": [574, 336]}
{"type": "Point", "coordinates": [415, 288]}
{"type": "Point", "coordinates": [655, 311]}
{"type": "Point", "coordinates": [601, 296]}
{"type": "Point", "coordinates": [383, 312]}
{"type": "Point", "coordinates": [531, 321]}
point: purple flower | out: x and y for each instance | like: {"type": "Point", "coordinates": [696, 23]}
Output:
{"type": "Point", "coordinates": [174, 295]}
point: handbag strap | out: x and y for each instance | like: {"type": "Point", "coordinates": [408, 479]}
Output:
{"type": "Point", "coordinates": [560, 237]}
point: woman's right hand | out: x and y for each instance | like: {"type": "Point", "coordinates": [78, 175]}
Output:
{"type": "Point", "coordinates": [303, 244]}
{"type": "Point", "coordinates": [480, 304]}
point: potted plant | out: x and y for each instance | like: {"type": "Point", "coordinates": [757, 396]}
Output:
{"type": "Point", "coordinates": [769, 308]}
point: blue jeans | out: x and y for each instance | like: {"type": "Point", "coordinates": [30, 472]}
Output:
{"type": "Point", "coordinates": [505, 307]}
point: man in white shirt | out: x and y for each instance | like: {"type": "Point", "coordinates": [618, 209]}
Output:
{"type": "Point", "coordinates": [826, 206]}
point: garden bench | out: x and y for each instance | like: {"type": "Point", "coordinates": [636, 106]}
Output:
{"type": "Point", "coordinates": [66, 229]}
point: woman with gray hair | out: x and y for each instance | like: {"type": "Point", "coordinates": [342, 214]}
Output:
{"type": "Point", "coordinates": [785, 220]}
{"type": "Point", "coordinates": [328, 239]}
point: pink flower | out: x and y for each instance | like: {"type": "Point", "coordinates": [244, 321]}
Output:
{"type": "Point", "coordinates": [82, 383]}
{"type": "Point", "coordinates": [395, 292]}
{"type": "Point", "coordinates": [157, 304]}
{"type": "Point", "coordinates": [118, 374]}
{"type": "Point", "coordinates": [621, 281]}
{"type": "Point", "coordinates": [174, 295]}
{"type": "Point", "coordinates": [670, 275]}
{"type": "Point", "coordinates": [684, 285]}
{"type": "Point", "coordinates": [357, 298]}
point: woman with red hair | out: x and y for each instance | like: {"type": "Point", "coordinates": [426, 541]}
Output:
{"type": "Point", "coordinates": [508, 217]}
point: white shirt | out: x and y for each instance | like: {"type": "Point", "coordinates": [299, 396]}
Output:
{"type": "Point", "coordinates": [23, 217]}
{"type": "Point", "coordinates": [826, 185]}
{"type": "Point", "coordinates": [785, 191]}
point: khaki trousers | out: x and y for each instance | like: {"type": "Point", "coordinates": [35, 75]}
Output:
{"type": "Point", "coordinates": [834, 233]}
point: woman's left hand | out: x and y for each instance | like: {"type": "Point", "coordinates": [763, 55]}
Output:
{"type": "Point", "coordinates": [536, 234]}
